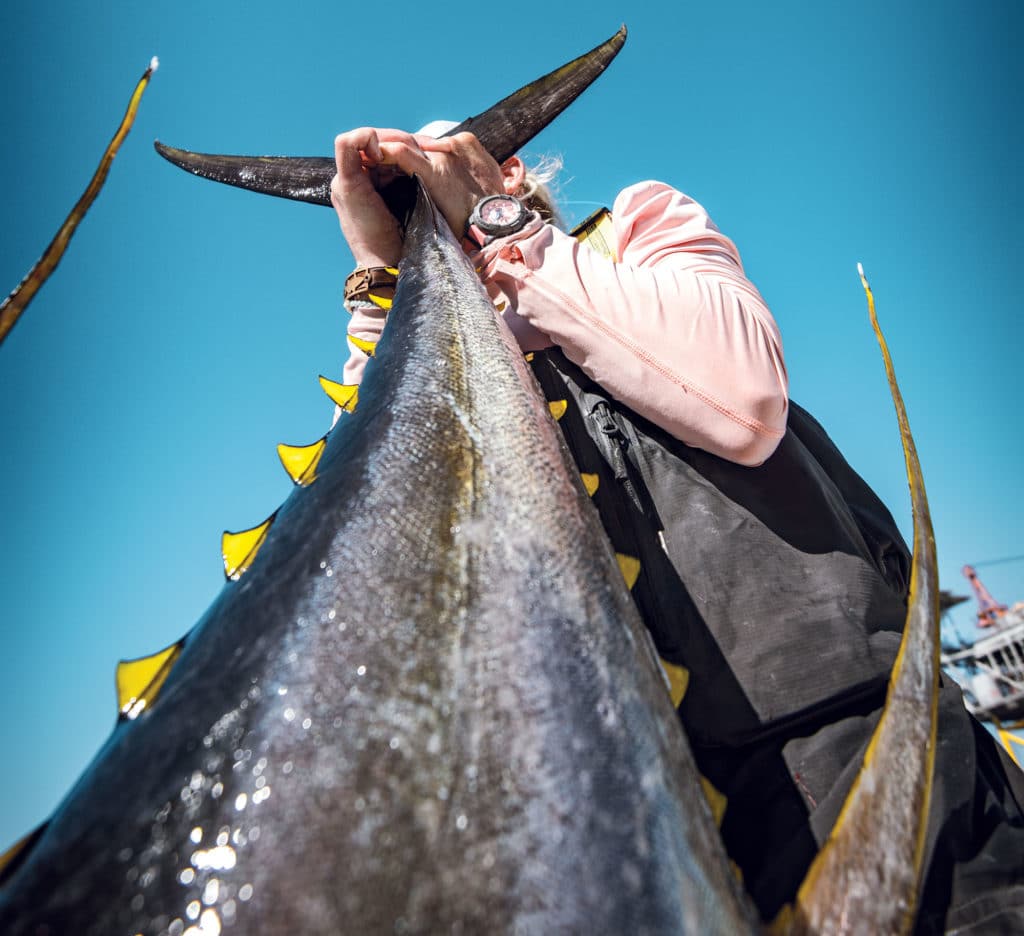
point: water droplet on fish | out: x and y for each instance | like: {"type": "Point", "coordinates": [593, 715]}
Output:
{"type": "Point", "coordinates": [393, 744]}
{"type": "Point", "coordinates": [240, 802]}
{"type": "Point", "coordinates": [245, 892]}
{"type": "Point", "coordinates": [361, 670]}
{"type": "Point", "coordinates": [211, 891]}
{"type": "Point", "coordinates": [221, 858]}
{"type": "Point", "coordinates": [461, 822]}
{"type": "Point", "coordinates": [307, 723]}
{"type": "Point", "coordinates": [187, 876]}
{"type": "Point", "coordinates": [289, 714]}
{"type": "Point", "coordinates": [192, 910]}
{"type": "Point", "coordinates": [196, 834]}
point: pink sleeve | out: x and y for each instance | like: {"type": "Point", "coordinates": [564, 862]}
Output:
{"type": "Point", "coordinates": [674, 329]}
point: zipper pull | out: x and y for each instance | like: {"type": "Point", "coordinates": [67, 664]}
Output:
{"type": "Point", "coordinates": [616, 441]}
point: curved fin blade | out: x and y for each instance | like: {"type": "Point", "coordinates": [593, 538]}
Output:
{"type": "Point", "coordinates": [16, 303]}
{"type": "Point", "coordinates": [300, 461]}
{"type": "Point", "coordinates": [239, 549]}
{"type": "Point", "coordinates": [503, 129]}
{"type": "Point", "coordinates": [300, 178]}
{"type": "Point", "coordinates": [139, 681]}
{"type": "Point", "coordinates": [870, 868]}
{"type": "Point", "coordinates": [506, 127]}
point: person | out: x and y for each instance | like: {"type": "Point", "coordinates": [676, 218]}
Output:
{"type": "Point", "coordinates": [772, 579]}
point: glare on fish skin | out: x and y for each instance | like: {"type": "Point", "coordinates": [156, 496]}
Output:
{"type": "Point", "coordinates": [219, 858]}
{"type": "Point", "coordinates": [132, 709]}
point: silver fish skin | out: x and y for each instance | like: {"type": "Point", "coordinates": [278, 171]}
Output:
{"type": "Point", "coordinates": [428, 707]}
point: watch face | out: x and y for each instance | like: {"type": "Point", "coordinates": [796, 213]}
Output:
{"type": "Point", "coordinates": [500, 211]}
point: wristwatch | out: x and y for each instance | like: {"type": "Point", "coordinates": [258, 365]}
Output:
{"type": "Point", "coordinates": [495, 216]}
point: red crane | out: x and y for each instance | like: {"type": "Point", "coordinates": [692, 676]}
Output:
{"type": "Point", "coordinates": [989, 610]}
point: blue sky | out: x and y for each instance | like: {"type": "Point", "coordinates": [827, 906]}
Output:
{"type": "Point", "coordinates": [181, 338]}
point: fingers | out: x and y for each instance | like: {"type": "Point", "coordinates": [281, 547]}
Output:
{"type": "Point", "coordinates": [408, 157]}
{"type": "Point", "coordinates": [353, 151]}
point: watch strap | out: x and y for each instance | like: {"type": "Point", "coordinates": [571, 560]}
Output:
{"type": "Point", "coordinates": [374, 284]}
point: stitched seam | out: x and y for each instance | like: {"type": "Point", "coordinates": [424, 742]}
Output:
{"type": "Point", "coordinates": [687, 385]}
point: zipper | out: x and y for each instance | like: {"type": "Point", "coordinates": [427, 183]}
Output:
{"type": "Point", "coordinates": [615, 446]}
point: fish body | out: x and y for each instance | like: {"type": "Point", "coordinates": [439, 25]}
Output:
{"type": "Point", "coordinates": [428, 706]}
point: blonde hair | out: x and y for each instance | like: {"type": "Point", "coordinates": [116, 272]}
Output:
{"type": "Point", "coordinates": [535, 192]}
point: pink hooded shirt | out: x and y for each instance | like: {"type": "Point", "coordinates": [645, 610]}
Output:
{"type": "Point", "coordinates": [673, 328]}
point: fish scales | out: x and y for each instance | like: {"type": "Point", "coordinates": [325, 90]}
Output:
{"type": "Point", "coordinates": [429, 705]}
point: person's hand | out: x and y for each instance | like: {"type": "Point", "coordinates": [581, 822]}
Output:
{"type": "Point", "coordinates": [457, 171]}
{"type": "Point", "coordinates": [372, 232]}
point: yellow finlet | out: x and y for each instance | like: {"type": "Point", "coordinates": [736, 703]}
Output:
{"type": "Point", "coordinates": [345, 395]}
{"type": "Point", "coordinates": [630, 568]}
{"type": "Point", "coordinates": [716, 800]}
{"type": "Point", "coordinates": [558, 408]}
{"type": "Point", "coordinates": [301, 461]}
{"type": "Point", "coordinates": [139, 681]}
{"type": "Point", "coordinates": [590, 482]}
{"type": "Point", "coordinates": [367, 347]}
{"type": "Point", "coordinates": [1008, 740]}
{"type": "Point", "coordinates": [678, 680]}
{"type": "Point", "coordinates": [239, 549]}
{"type": "Point", "coordinates": [11, 858]}
{"type": "Point", "coordinates": [529, 356]}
